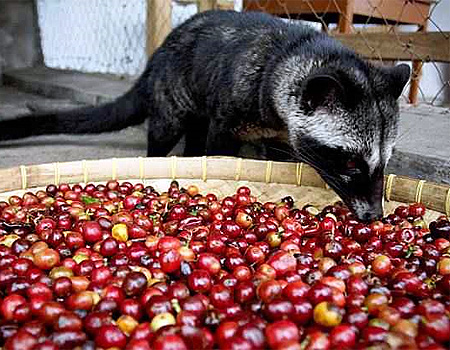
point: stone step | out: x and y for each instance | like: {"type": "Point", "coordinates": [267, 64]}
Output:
{"type": "Point", "coordinates": [423, 146]}
{"type": "Point", "coordinates": [85, 88]}
{"type": "Point", "coordinates": [130, 142]}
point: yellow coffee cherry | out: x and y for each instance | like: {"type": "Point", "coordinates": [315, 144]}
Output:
{"type": "Point", "coordinates": [127, 324]}
{"type": "Point", "coordinates": [162, 320]}
{"type": "Point", "coordinates": [406, 327]}
{"type": "Point", "coordinates": [273, 239]}
{"type": "Point", "coordinates": [327, 314]}
{"type": "Point", "coordinates": [80, 257]}
{"type": "Point", "coordinates": [192, 190]}
{"type": "Point", "coordinates": [60, 271]}
{"type": "Point", "coordinates": [443, 266]}
{"type": "Point", "coordinates": [120, 232]}
{"type": "Point", "coordinates": [95, 297]}
{"type": "Point", "coordinates": [9, 240]}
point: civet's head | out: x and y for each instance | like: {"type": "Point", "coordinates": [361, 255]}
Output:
{"type": "Point", "coordinates": [342, 120]}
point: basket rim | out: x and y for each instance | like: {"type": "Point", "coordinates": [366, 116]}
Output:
{"type": "Point", "coordinates": [26, 177]}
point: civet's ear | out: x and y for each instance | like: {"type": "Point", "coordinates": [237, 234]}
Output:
{"type": "Point", "coordinates": [399, 77]}
{"type": "Point", "coordinates": [321, 90]}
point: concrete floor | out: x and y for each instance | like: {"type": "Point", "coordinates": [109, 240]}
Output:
{"type": "Point", "coordinates": [129, 142]}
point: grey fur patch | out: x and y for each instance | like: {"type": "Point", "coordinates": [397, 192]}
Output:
{"type": "Point", "coordinates": [324, 127]}
{"type": "Point", "coordinates": [361, 207]}
{"type": "Point", "coordinates": [374, 159]}
{"type": "Point", "coordinates": [370, 130]}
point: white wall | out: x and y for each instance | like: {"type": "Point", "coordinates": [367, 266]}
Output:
{"type": "Point", "coordinates": [98, 35]}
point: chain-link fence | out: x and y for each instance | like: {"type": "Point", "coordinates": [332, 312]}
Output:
{"type": "Point", "coordinates": [115, 36]}
{"type": "Point", "coordinates": [384, 31]}
{"type": "Point", "coordinates": [93, 35]}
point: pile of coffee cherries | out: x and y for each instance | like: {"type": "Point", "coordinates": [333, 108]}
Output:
{"type": "Point", "coordinates": [121, 266]}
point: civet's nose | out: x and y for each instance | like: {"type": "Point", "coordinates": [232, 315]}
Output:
{"type": "Point", "coordinates": [368, 211]}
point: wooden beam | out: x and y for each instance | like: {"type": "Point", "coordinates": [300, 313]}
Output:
{"type": "Point", "coordinates": [225, 4]}
{"type": "Point", "coordinates": [427, 46]}
{"type": "Point", "coordinates": [401, 11]}
{"type": "Point", "coordinates": [292, 6]}
{"type": "Point", "coordinates": [159, 23]}
{"type": "Point", "coordinates": [205, 5]}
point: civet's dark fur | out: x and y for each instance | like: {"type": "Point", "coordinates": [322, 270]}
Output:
{"type": "Point", "coordinates": [223, 78]}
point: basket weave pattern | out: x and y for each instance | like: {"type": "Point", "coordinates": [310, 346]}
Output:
{"type": "Point", "coordinates": [269, 180]}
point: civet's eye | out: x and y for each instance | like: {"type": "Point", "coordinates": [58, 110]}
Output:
{"type": "Point", "coordinates": [352, 167]}
{"type": "Point", "coordinates": [351, 164]}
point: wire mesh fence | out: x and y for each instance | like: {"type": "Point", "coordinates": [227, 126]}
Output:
{"type": "Point", "coordinates": [108, 36]}
{"type": "Point", "coordinates": [93, 35]}
{"type": "Point", "coordinates": [380, 29]}
{"type": "Point", "coordinates": [105, 36]}
{"type": "Point", "coordinates": [116, 36]}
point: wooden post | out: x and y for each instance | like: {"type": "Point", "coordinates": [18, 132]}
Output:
{"type": "Point", "coordinates": [346, 17]}
{"type": "Point", "coordinates": [434, 46]}
{"type": "Point", "coordinates": [225, 4]}
{"type": "Point", "coordinates": [159, 23]}
{"type": "Point", "coordinates": [205, 5]}
{"type": "Point", "coordinates": [416, 75]}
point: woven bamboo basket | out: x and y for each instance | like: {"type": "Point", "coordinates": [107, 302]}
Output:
{"type": "Point", "coordinates": [268, 180]}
